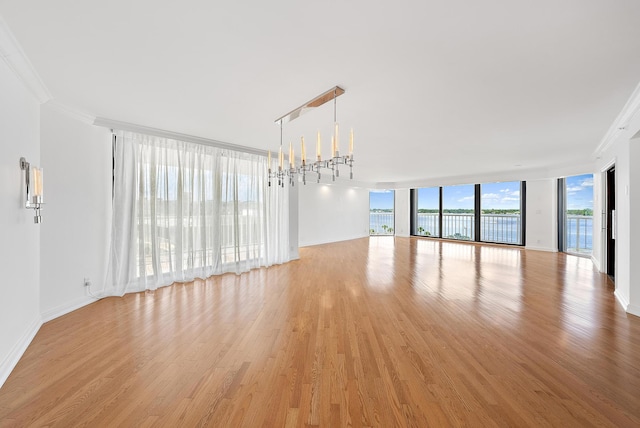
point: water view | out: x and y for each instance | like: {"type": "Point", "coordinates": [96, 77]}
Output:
{"type": "Point", "coordinates": [500, 216]}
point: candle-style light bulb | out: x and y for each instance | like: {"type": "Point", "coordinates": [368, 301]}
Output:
{"type": "Point", "coordinates": [318, 149]}
{"type": "Point", "coordinates": [37, 182]}
{"type": "Point", "coordinates": [280, 159]}
{"type": "Point", "coordinates": [269, 161]}
{"type": "Point", "coordinates": [34, 171]}
{"type": "Point", "coordinates": [291, 156]}
{"type": "Point", "coordinates": [333, 146]}
{"type": "Point", "coordinates": [351, 143]}
{"type": "Point", "coordinates": [303, 152]}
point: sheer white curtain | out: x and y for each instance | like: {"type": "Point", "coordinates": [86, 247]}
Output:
{"type": "Point", "coordinates": [184, 210]}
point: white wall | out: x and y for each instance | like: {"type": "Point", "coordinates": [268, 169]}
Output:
{"type": "Point", "coordinates": [633, 198]}
{"type": "Point", "coordinates": [330, 213]}
{"type": "Point", "coordinates": [20, 249]}
{"type": "Point", "coordinates": [402, 210]}
{"type": "Point", "coordinates": [542, 214]}
{"type": "Point", "coordinates": [76, 157]}
{"type": "Point", "coordinates": [620, 153]}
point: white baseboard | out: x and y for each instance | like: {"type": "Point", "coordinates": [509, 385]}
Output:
{"type": "Point", "coordinates": [596, 263]}
{"type": "Point", "coordinates": [633, 310]}
{"type": "Point", "coordinates": [547, 249]}
{"type": "Point", "coordinates": [65, 308]}
{"type": "Point", "coordinates": [321, 242]}
{"type": "Point", "coordinates": [18, 350]}
{"type": "Point", "coordinates": [622, 300]}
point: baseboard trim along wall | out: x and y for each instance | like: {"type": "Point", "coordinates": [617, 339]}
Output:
{"type": "Point", "coordinates": [633, 310]}
{"type": "Point", "coordinates": [65, 308]}
{"type": "Point", "coordinates": [549, 250]}
{"type": "Point", "coordinates": [18, 350]}
{"type": "Point", "coordinates": [311, 244]}
{"type": "Point", "coordinates": [621, 299]}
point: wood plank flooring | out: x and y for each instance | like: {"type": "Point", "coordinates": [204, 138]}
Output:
{"type": "Point", "coordinates": [371, 332]}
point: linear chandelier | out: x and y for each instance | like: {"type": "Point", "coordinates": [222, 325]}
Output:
{"type": "Point", "coordinates": [291, 172]}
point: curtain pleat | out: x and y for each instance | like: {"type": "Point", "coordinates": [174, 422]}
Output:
{"type": "Point", "coordinates": [183, 211]}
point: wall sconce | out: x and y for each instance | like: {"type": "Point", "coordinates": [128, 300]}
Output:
{"type": "Point", "coordinates": [33, 176]}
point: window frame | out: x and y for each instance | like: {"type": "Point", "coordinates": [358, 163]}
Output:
{"type": "Point", "coordinates": [413, 219]}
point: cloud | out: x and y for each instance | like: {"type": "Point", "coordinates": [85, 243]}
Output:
{"type": "Point", "coordinates": [380, 191]}
{"type": "Point", "coordinates": [587, 183]}
{"type": "Point", "coordinates": [466, 198]}
{"type": "Point", "coordinates": [510, 192]}
{"type": "Point", "coordinates": [491, 196]}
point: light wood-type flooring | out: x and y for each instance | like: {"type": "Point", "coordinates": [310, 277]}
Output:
{"type": "Point", "coordinates": [379, 331]}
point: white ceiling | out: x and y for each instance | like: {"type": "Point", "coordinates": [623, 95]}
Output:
{"type": "Point", "coordinates": [433, 88]}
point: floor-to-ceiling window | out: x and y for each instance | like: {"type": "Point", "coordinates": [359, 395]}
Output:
{"type": "Point", "coordinates": [458, 212]}
{"type": "Point", "coordinates": [381, 212]}
{"type": "Point", "coordinates": [428, 212]}
{"type": "Point", "coordinates": [487, 212]}
{"type": "Point", "coordinates": [576, 214]}
{"type": "Point", "coordinates": [501, 212]}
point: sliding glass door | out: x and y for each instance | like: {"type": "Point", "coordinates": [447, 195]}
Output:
{"type": "Point", "coordinates": [575, 200]}
{"type": "Point", "coordinates": [488, 212]}
{"type": "Point", "coordinates": [458, 212]}
{"type": "Point", "coordinates": [501, 212]}
{"type": "Point", "coordinates": [381, 212]}
{"type": "Point", "coordinates": [428, 214]}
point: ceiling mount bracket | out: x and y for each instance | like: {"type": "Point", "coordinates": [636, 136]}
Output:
{"type": "Point", "coordinates": [325, 97]}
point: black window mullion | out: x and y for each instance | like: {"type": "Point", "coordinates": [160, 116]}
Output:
{"type": "Point", "coordinates": [477, 213]}
{"type": "Point", "coordinates": [440, 214]}
{"type": "Point", "coordinates": [523, 212]}
{"type": "Point", "coordinates": [561, 214]}
{"type": "Point", "coordinates": [413, 217]}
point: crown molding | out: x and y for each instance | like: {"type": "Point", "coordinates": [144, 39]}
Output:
{"type": "Point", "coordinates": [72, 113]}
{"type": "Point", "coordinates": [13, 55]}
{"type": "Point", "coordinates": [116, 125]}
{"type": "Point", "coordinates": [621, 123]}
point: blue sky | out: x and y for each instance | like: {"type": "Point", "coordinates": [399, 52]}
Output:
{"type": "Point", "coordinates": [580, 191]}
{"type": "Point", "coordinates": [501, 195]}
{"type": "Point", "coordinates": [494, 195]}
{"type": "Point", "coordinates": [381, 199]}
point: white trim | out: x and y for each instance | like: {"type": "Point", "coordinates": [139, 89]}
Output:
{"type": "Point", "coordinates": [633, 310]}
{"type": "Point", "coordinates": [621, 123]}
{"type": "Point", "coordinates": [520, 174]}
{"type": "Point", "coordinates": [547, 249]}
{"type": "Point", "coordinates": [65, 308]}
{"type": "Point", "coordinates": [18, 350]}
{"type": "Point", "coordinates": [13, 55]}
{"type": "Point", "coordinates": [621, 299]}
{"type": "Point", "coordinates": [609, 164]}
{"type": "Point", "coordinates": [72, 113]}
{"type": "Point", "coordinates": [314, 243]}
{"type": "Point", "coordinates": [595, 262]}
{"type": "Point", "coordinates": [124, 126]}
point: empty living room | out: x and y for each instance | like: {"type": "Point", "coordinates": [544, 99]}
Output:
{"type": "Point", "coordinates": [325, 214]}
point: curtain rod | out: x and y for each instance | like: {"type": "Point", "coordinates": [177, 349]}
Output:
{"type": "Point", "coordinates": [124, 126]}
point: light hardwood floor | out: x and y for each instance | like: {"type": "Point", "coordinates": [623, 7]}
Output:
{"type": "Point", "coordinates": [371, 332]}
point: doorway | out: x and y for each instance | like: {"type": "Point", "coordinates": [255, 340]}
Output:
{"type": "Point", "coordinates": [575, 215]}
{"type": "Point", "coordinates": [611, 221]}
